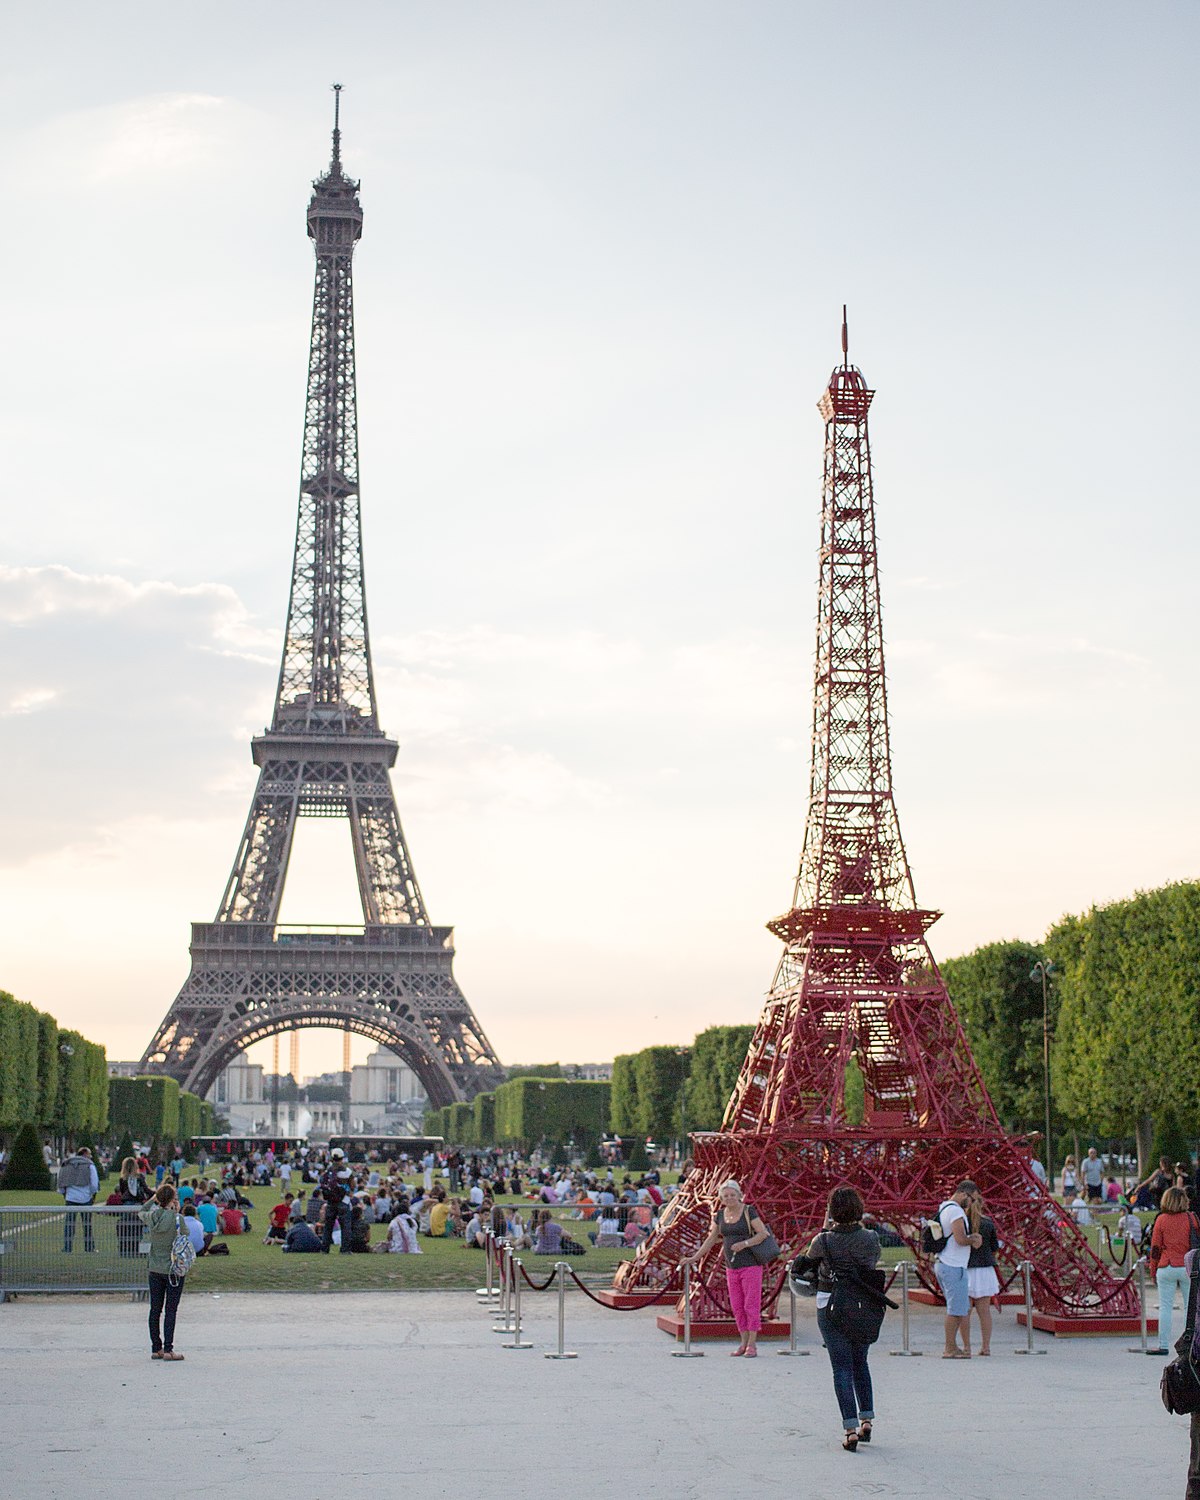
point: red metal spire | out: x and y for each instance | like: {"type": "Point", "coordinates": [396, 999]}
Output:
{"type": "Point", "coordinates": [857, 983]}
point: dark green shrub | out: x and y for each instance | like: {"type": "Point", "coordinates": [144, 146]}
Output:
{"type": "Point", "coordinates": [26, 1170]}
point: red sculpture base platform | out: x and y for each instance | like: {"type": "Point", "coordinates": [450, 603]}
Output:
{"type": "Point", "coordinates": [623, 1300]}
{"type": "Point", "coordinates": [718, 1328]}
{"type": "Point", "coordinates": [1088, 1328]}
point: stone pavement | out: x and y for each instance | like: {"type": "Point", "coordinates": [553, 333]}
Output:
{"type": "Point", "coordinates": [390, 1393]}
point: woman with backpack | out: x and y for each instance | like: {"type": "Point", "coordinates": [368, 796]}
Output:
{"type": "Point", "coordinates": [1170, 1241]}
{"type": "Point", "coordinates": [164, 1226]}
{"type": "Point", "coordinates": [845, 1253]}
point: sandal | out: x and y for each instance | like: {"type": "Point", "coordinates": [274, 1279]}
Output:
{"type": "Point", "coordinates": [850, 1442]}
{"type": "Point", "coordinates": [170, 1354]}
{"type": "Point", "coordinates": [156, 1354]}
{"type": "Point", "coordinates": [864, 1431]}
{"type": "Point", "coordinates": [751, 1352]}
{"type": "Point", "coordinates": [738, 1352]}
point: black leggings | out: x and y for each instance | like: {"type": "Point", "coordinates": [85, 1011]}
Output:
{"type": "Point", "coordinates": [161, 1291]}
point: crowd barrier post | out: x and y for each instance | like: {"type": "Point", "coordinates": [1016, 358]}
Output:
{"type": "Point", "coordinates": [487, 1292]}
{"type": "Point", "coordinates": [1027, 1275]}
{"type": "Point", "coordinates": [1144, 1346]}
{"type": "Point", "coordinates": [514, 1272]}
{"type": "Point", "coordinates": [687, 1352]}
{"type": "Point", "coordinates": [905, 1351]}
{"type": "Point", "coordinates": [504, 1310]}
{"type": "Point", "coordinates": [791, 1351]}
{"type": "Point", "coordinates": [561, 1269]}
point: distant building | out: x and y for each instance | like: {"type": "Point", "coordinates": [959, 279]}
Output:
{"type": "Point", "coordinates": [386, 1097]}
{"type": "Point", "coordinates": [123, 1069]}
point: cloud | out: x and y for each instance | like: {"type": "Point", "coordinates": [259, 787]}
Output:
{"type": "Point", "coordinates": [154, 137]}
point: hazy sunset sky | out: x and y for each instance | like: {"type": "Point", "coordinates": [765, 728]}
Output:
{"type": "Point", "coordinates": [598, 294]}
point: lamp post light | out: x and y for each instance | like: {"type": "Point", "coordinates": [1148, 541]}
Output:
{"type": "Point", "coordinates": [1042, 970]}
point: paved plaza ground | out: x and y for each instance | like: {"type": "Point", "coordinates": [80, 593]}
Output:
{"type": "Point", "coordinates": [391, 1393]}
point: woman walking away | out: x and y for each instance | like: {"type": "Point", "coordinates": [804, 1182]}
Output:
{"type": "Point", "coordinates": [982, 1281]}
{"type": "Point", "coordinates": [737, 1227]}
{"type": "Point", "coordinates": [1169, 1244]}
{"type": "Point", "coordinates": [162, 1220]}
{"type": "Point", "coordinates": [843, 1249]}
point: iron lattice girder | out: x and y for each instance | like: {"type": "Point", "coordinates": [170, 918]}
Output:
{"type": "Point", "coordinates": [789, 1174]}
{"type": "Point", "coordinates": [857, 983]}
{"type": "Point", "coordinates": [325, 756]}
{"type": "Point", "coordinates": [392, 984]}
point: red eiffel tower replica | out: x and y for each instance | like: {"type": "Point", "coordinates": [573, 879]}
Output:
{"type": "Point", "coordinates": [857, 984]}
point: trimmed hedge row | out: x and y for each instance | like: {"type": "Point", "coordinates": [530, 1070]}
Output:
{"type": "Point", "coordinates": [53, 1079]}
{"type": "Point", "coordinates": [153, 1107]}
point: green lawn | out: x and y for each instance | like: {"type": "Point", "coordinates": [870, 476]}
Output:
{"type": "Point", "coordinates": [443, 1264]}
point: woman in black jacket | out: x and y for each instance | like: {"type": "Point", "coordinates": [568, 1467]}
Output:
{"type": "Point", "coordinates": [842, 1248]}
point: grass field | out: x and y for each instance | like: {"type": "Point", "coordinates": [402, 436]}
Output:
{"type": "Point", "coordinates": [443, 1264]}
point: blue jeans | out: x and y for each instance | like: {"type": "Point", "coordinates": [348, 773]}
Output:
{"type": "Point", "coordinates": [851, 1377]}
{"type": "Point", "coordinates": [1168, 1278]}
{"type": "Point", "coordinates": [89, 1243]}
{"type": "Point", "coordinates": [340, 1215]}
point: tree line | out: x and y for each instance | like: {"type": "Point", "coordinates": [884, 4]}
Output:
{"type": "Point", "coordinates": [50, 1077]}
{"type": "Point", "coordinates": [1123, 1009]}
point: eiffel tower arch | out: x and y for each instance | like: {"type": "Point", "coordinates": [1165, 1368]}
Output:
{"type": "Point", "coordinates": [325, 756]}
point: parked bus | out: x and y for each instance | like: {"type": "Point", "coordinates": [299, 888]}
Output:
{"type": "Point", "coordinates": [385, 1147]}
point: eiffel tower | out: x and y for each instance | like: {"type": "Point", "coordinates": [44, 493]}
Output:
{"type": "Point", "coordinates": [325, 756]}
{"type": "Point", "coordinates": [857, 989]}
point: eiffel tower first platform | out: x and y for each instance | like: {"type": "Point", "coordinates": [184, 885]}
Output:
{"type": "Point", "coordinates": [325, 756]}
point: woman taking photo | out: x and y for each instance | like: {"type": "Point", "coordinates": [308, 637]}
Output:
{"type": "Point", "coordinates": [842, 1248]}
{"type": "Point", "coordinates": [162, 1221]}
{"type": "Point", "coordinates": [737, 1228]}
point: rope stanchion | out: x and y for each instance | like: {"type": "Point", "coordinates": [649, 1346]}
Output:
{"type": "Point", "coordinates": [506, 1281]}
{"type": "Point", "coordinates": [536, 1286]}
{"type": "Point", "coordinates": [562, 1352]}
{"type": "Point", "coordinates": [905, 1351]}
{"type": "Point", "coordinates": [687, 1352]}
{"type": "Point", "coordinates": [791, 1351]}
{"type": "Point", "coordinates": [517, 1341]}
{"type": "Point", "coordinates": [1027, 1270]}
{"type": "Point", "coordinates": [1144, 1346]}
{"type": "Point", "coordinates": [488, 1293]}
{"type": "Point", "coordinates": [651, 1297]}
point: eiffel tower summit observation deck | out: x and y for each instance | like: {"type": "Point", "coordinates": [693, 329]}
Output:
{"type": "Point", "coordinates": [325, 756]}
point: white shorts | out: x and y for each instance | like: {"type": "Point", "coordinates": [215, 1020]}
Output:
{"type": "Point", "coordinates": [982, 1281]}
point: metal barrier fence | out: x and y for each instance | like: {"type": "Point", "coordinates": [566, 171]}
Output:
{"type": "Point", "coordinates": [72, 1250]}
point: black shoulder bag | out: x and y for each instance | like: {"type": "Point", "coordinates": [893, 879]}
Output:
{"type": "Point", "coordinates": [1180, 1384]}
{"type": "Point", "coordinates": [859, 1303]}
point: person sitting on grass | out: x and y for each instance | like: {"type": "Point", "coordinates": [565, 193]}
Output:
{"type": "Point", "coordinates": [196, 1232]}
{"type": "Point", "coordinates": [547, 1235]}
{"type": "Point", "coordinates": [402, 1234]}
{"type": "Point", "coordinates": [360, 1230]}
{"type": "Point", "coordinates": [516, 1230]}
{"type": "Point", "coordinates": [302, 1240]}
{"type": "Point", "coordinates": [607, 1234]}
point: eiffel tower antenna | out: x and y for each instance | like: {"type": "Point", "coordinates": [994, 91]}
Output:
{"type": "Point", "coordinates": [325, 756]}
{"type": "Point", "coordinates": [857, 988]}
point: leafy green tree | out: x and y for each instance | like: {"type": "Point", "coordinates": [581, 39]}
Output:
{"type": "Point", "coordinates": [715, 1060]}
{"type": "Point", "coordinates": [999, 1003]}
{"type": "Point", "coordinates": [26, 1170]}
{"type": "Point", "coordinates": [625, 1109]}
{"type": "Point", "coordinates": [637, 1160]}
{"type": "Point", "coordinates": [660, 1073]}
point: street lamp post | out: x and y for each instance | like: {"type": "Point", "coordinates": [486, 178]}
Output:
{"type": "Point", "coordinates": [1042, 970]}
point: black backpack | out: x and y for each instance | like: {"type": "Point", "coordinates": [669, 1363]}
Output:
{"type": "Point", "coordinates": [933, 1236]}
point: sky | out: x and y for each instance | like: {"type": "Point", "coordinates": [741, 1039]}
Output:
{"type": "Point", "coordinates": [598, 295]}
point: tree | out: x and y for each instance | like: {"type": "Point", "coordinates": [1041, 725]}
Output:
{"type": "Point", "coordinates": [999, 1003]}
{"type": "Point", "coordinates": [660, 1073]}
{"type": "Point", "coordinates": [26, 1168]}
{"type": "Point", "coordinates": [1130, 987]}
{"type": "Point", "coordinates": [637, 1159]}
{"type": "Point", "coordinates": [715, 1061]}
{"type": "Point", "coordinates": [624, 1111]}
